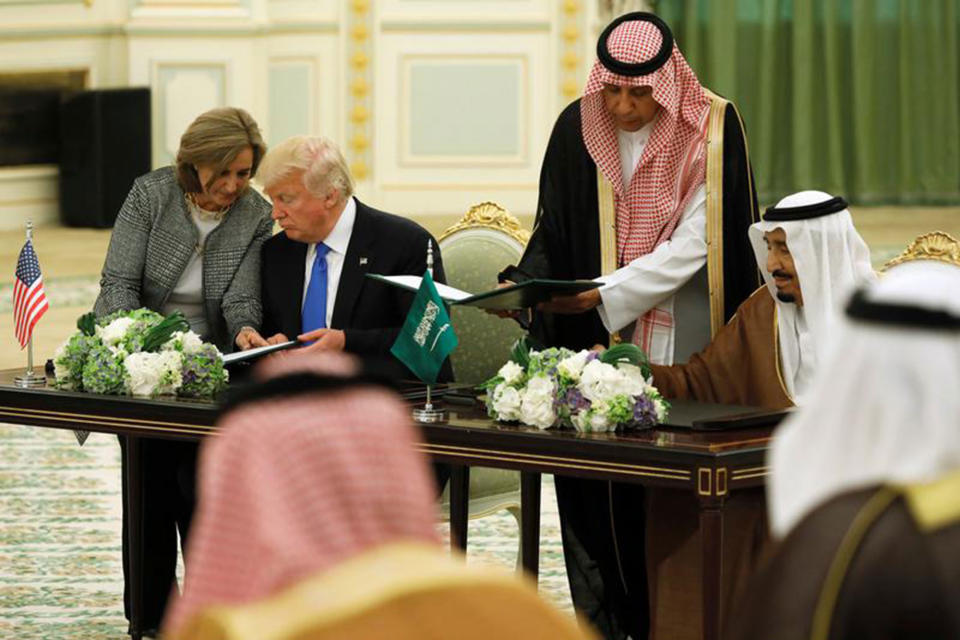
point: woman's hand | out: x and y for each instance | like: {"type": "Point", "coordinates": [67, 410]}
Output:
{"type": "Point", "coordinates": [249, 338]}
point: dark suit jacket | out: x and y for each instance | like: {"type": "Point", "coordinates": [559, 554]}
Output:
{"type": "Point", "coordinates": [370, 313]}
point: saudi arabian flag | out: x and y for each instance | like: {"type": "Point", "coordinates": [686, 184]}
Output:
{"type": "Point", "coordinates": [427, 337]}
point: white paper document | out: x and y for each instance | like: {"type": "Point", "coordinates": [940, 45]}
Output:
{"type": "Point", "coordinates": [448, 293]}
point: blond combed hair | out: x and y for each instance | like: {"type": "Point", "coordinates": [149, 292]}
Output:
{"type": "Point", "coordinates": [215, 139]}
{"type": "Point", "coordinates": [319, 159]}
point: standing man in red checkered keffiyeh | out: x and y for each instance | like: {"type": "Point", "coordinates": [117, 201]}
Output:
{"type": "Point", "coordinates": [646, 184]}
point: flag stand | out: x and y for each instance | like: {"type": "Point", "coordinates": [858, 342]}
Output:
{"type": "Point", "coordinates": [30, 378]}
{"type": "Point", "coordinates": [428, 414]}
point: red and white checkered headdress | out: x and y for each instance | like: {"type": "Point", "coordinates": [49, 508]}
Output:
{"type": "Point", "coordinates": [674, 160]}
{"type": "Point", "coordinates": [299, 479]}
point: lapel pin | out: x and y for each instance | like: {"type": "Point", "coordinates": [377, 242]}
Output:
{"type": "Point", "coordinates": [363, 261]}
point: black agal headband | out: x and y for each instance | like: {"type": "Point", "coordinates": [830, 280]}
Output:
{"type": "Point", "coordinates": [634, 69]}
{"type": "Point", "coordinates": [815, 210]}
{"type": "Point", "coordinates": [901, 315]}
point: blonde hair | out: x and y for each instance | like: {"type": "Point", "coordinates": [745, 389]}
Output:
{"type": "Point", "coordinates": [215, 139]}
{"type": "Point", "coordinates": [318, 157]}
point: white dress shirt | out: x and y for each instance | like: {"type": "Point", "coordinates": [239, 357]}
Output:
{"type": "Point", "coordinates": [652, 280]}
{"type": "Point", "coordinates": [337, 240]}
{"type": "Point", "coordinates": [631, 145]}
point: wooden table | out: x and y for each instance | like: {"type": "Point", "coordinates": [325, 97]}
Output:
{"type": "Point", "coordinates": [709, 464]}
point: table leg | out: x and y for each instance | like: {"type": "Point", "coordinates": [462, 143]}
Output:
{"type": "Point", "coordinates": [134, 513]}
{"type": "Point", "coordinates": [530, 522]}
{"type": "Point", "coordinates": [459, 505]}
{"type": "Point", "coordinates": [711, 537]}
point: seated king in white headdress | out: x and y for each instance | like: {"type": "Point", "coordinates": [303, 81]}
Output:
{"type": "Point", "coordinates": [864, 478]}
{"type": "Point", "coordinates": [811, 257]}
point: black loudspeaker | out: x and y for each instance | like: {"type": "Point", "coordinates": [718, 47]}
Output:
{"type": "Point", "coordinates": [104, 145]}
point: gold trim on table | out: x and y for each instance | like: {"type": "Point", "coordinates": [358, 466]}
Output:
{"type": "Point", "coordinates": [566, 463]}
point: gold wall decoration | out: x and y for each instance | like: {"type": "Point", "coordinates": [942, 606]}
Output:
{"type": "Point", "coordinates": [359, 128]}
{"type": "Point", "coordinates": [570, 30]}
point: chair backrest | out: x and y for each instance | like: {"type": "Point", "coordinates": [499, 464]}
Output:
{"type": "Point", "coordinates": [483, 242]}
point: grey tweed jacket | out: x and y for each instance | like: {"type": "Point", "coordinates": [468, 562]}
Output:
{"type": "Point", "coordinates": [152, 242]}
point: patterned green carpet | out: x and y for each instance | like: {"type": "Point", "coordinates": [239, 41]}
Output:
{"type": "Point", "coordinates": [60, 571]}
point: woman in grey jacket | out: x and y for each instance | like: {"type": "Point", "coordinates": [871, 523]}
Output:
{"type": "Point", "coordinates": [188, 238]}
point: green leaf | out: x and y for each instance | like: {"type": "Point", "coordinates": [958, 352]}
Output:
{"type": "Point", "coordinates": [629, 353]}
{"type": "Point", "coordinates": [162, 332]}
{"type": "Point", "coordinates": [87, 323]}
{"type": "Point", "coordinates": [520, 352]}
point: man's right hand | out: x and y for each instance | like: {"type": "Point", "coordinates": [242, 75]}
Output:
{"type": "Point", "coordinates": [505, 313]}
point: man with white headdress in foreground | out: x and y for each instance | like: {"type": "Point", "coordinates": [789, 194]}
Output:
{"type": "Point", "coordinates": [865, 478]}
{"type": "Point", "coordinates": [811, 257]}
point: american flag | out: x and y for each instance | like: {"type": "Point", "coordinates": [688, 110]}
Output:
{"type": "Point", "coordinates": [29, 298]}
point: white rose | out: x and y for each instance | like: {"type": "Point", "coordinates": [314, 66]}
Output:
{"type": "Point", "coordinates": [510, 372]}
{"type": "Point", "coordinates": [599, 381]}
{"type": "Point", "coordinates": [580, 422]}
{"type": "Point", "coordinates": [506, 402]}
{"type": "Point", "coordinates": [191, 342]}
{"type": "Point", "coordinates": [537, 403]}
{"type": "Point", "coordinates": [630, 380]}
{"type": "Point", "coordinates": [591, 422]}
{"type": "Point", "coordinates": [150, 374]}
{"type": "Point", "coordinates": [599, 421]}
{"type": "Point", "coordinates": [661, 409]}
{"type": "Point", "coordinates": [114, 332]}
{"type": "Point", "coordinates": [572, 366]}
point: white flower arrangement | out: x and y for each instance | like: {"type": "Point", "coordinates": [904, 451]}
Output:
{"type": "Point", "coordinates": [587, 390]}
{"type": "Point", "coordinates": [139, 353]}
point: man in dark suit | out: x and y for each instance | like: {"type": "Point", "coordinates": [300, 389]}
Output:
{"type": "Point", "coordinates": [313, 272]}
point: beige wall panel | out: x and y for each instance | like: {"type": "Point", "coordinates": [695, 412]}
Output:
{"type": "Point", "coordinates": [320, 54]}
{"type": "Point", "coordinates": [463, 11]}
{"type": "Point", "coordinates": [187, 76]}
{"type": "Point", "coordinates": [428, 174]}
{"type": "Point", "coordinates": [28, 193]}
{"type": "Point", "coordinates": [325, 14]}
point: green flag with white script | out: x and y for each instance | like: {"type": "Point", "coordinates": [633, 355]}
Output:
{"type": "Point", "coordinates": [427, 337]}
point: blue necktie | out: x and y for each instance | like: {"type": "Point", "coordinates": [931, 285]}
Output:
{"type": "Point", "coordinates": [315, 305]}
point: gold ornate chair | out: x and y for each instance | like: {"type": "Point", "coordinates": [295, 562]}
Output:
{"type": "Point", "coordinates": [486, 239]}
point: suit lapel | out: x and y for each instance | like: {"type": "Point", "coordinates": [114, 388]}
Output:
{"type": "Point", "coordinates": [292, 267]}
{"type": "Point", "coordinates": [355, 266]}
{"type": "Point", "coordinates": [175, 221]}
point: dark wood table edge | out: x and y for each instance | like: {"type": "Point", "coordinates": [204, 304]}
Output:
{"type": "Point", "coordinates": [712, 478]}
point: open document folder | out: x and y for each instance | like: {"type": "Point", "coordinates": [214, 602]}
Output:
{"type": "Point", "coordinates": [252, 354]}
{"type": "Point", "coordinates": [516, 296]}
